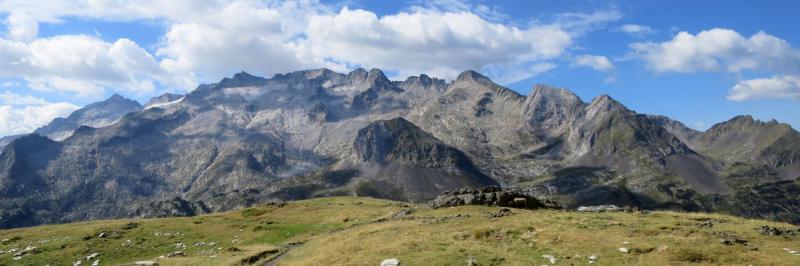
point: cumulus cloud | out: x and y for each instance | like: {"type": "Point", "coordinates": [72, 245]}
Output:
{"type": "Point", "coordinates": [719, 50]}
{"type": "Point", "coordinates": [596, 62]}
{"type": "Point", "coordinates": [207, 40]}
{"type": "Point", "coordinates": [777, 87]}
{"type": "Point", "coordinates": [438, 43]}
{"type": "Point", "coordinates": [636, 30]}
{"type": "Point", "coordinates": [724, 50]}
{"type": "Point", "coordinates": [80, 64]}
{"type": "Point", "coordinates": [21, 26]}
{"type": "Point", "coordinates": [20, 114]}
{"type": "Point", "coordinates": [240, 36]}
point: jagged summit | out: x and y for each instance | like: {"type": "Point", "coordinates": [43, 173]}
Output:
{"type": "Point", "coordinates": [242, 79]}
{"type": "Point", "coordinates": [471, 75]}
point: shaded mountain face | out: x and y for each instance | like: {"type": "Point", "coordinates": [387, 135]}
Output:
{"type": "Point", "coordinates": [99, 114]}
{"type": "Point", "coordinates": [316, 133]}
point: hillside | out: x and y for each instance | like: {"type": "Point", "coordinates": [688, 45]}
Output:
{"type": "Point", "coordinates": [365, 231]}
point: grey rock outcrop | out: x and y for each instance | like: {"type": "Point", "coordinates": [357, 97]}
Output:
{"type": "Point", "coordinates": [488, 196]}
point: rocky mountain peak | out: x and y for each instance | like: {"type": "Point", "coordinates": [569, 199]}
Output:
{"type": "Point", "coordinates": [241, 79]}
{"type": "Point", "coordinates": [546, 92]}
{"type": "Point", "coordinates": [605, 102]}
{"type": "Point", "coordinates": [747, 121]}
{"type": "Point", "coordinates": [548, 108]}
{"type": "Point", "coordinates": [116, 97]}
{"type": "Point", "coordinates": [358, 72]}
{"type": "Point", "coordinates": [471, 76]}
{"type": "Point", "coordinates": [424, 82]}
{"type": "Point", "coordinates": [163, 98]}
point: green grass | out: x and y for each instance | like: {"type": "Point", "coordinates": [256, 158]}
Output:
{"type": "Point", "coordinates": [360, 231]}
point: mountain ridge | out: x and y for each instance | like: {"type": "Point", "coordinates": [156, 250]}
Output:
{"type": "Point", "coordinates": [313, 133]}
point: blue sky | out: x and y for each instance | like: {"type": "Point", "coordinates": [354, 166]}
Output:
{"type": "Point", "coordinates": [700, 62]}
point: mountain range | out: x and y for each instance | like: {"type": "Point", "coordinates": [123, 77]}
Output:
{"type": "Point", "coordinates": [315, 133]}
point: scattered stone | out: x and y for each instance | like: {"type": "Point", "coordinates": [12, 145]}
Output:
{"type": "Point", "coordinates": [500, 213]}
{"type": "Point", "coordinates": [729, 239]}
{"type": "Point", "coordinates": [96, 263]}
{"type": "Point", "coordinates": [77, 263]}
{"type": "Point", "coordinates": [17, 258]}
{"type": "Point", "coordinates": [145, 263]}
{"type": "Point", "coordinates": [592, 259]}
{"type": "Point", "coordinates": [92, 256]}
{"type": "Point", "coordinates": [708, 224]}
{"type": "Point", "coordinates": [550, 258]}
{"type": "Point", "coordinates": [102, 235]}
{"type": "Point", "coordinates": [663, 248]}
{"type": "Point", "coordinates": [180, 245]}
{"type": "Point", "coordinates": [176, 254]}
{"type": "Point", "coordinates": [775, 231]}
{"type": "Point", "coordinates": [600, 208]}
{"type": "Point", "coordinates": [5, 241]}
{"type": "Point", "coordinates": [390, 262]}
{"type": "Point", "coordinates": [623, 250]}
{"type": "Point", "coordinates": [472, 262]}
{"type": "Point", "coordinates": [403, 213]}
{"type": "Point", "coordinates": [127, 243]}
{"type": "Point", "coordinates": [129, 226]}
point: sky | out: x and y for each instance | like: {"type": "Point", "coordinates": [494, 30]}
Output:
{"type": "Point", "coordinates": [699, 62]}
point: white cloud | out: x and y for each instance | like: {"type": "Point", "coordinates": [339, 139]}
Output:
{"type": "Point", "coordinates": [21, 26]}
{"type": "Point", "coordinates": [579, 23]}
{"type": "Point", "coordinates": [636, 30]}
{"type": "Point", "coordinates": [20, 114]}
{"type": "Point", "coordinates": [777, 87]}
{"type": "Point", "coordinates": [240, 36]}
{"type": "Point", "coordinates": [438, 43]}
{"type": "Point", "coordinates": [724, 50]}
{"type": "Point", "coordinates": [596, 62]}
{"type": "Point", "coordinates": [507, 74]}
{"type": "Point", "coordinates": [489, 13]}
{"type": "Point", "coordinates": [699, 126]}
{"type": "Point", "coordinates": [80, 64]}
{"type": "Point", "coordinates": [207, 40]}
{"type": "Point", "coordinates": [719, 50]}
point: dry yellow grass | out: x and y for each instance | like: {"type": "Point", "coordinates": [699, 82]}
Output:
{"type": "Point", "coordinates": [362, 231]}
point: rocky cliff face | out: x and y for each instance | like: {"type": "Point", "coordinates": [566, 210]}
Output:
{"type": "Point", "coordinates": [314, 133]}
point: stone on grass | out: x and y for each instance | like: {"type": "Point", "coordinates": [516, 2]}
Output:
{"type": "Point", "coordinates": [600, 208]}
{"type": "Point", "coordinates": [472, 262]}
{"type": "Point", "coordinates": [623, 250]}
{"type": "Point", "coordinates": [390, 262]}
{"type": "Point", "coordinates": [550, 258]}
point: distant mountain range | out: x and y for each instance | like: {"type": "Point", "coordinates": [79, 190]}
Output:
{"type": "Point", "coordinates": [313, 133]}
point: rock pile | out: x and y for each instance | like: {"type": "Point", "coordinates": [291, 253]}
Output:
{"type": "Point", "coordinates": [489, 196]}
{"type": "Point", "coordinates": [775, 231]}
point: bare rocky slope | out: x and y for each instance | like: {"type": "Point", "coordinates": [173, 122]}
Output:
{"type": "Point", "coordinates": [304, 134]}
{"type": "Point", "coordinates": [99, 114]}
